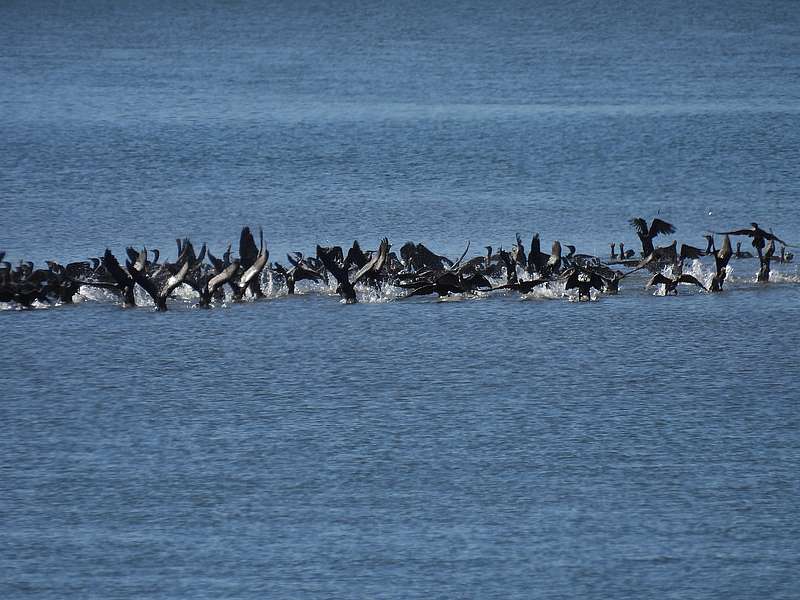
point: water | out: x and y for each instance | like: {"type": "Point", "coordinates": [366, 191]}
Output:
{"type": "Point", "coordinates": [636, 446]}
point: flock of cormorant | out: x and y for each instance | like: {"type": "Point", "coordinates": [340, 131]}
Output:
{"type": "Point", "coordinates": [417, 270]}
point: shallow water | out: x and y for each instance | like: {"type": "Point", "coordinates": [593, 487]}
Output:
{"type": "Point", "coordinates": [493, 447]}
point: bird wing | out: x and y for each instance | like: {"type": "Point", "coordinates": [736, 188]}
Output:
{"type": "Point", "coordinates": [175, 280]}
{"type": "Point", "coordinates": [597, 281]}
{"type": "Point", "coordinates": [143, 280]}
{"type": "Point", "coordinates": [723, 255]}
{"type": "Point", "coordinates": [202, 254]}
{"type": "Point", "coordinates": [222, 277]}
{"type": "Point", "coordinates": [771, 236]}
{"type": "Point", "coordinates": [112, 265]}
{"type": "Point", "coordinates": [658, 227]}
{"type": "Point", "coordinates": [295, 258]}
{"type": "Point", "coordinates": [657, 279]}
{"type": "Point", "coordinates": [141, 259]}
{"type": "Point", "coordinates": [219, 265]}
{"type": "Point", "coordinates": [640, 226]}
{"type": "Point", "coordinates": [736, 232]}
{"type": "Point", "coordinates": [79, 269]}
{"type": "Point", "coordinates": [454, 265]}
{"type": "Point", "coordinates": [572, 280]}
{"type": "Point", "coordinates": [248, 251]}
{"type": "Point", "coordinates": [303, 272]}
{"type": "Point", "coordinates": [688, 251]}
{"type": "Point", "coordinates": [375, 264]}
{"type": "Point", "coordinates": [686, 278]}
{"type": "Point", "coordinates": [355, 257]}
{"type": "Point", "coordinates": [383, 255]}
{"type": "Point", "coordinates": [254, 269]}
{"type": "Point", "coordinates": [527, 286]}
{"type": "Point", "coordinates": [521, 258]}
{"type": "Point", "coordinates": [186, 251]}
{"type": "Point", "coordinates": [535, 248]}
{"type": "Point", "coordinates": [325, 255]}
{"type": "Point", "coordinates": [477, 281]}
{"type": "Point", "coordinates": [421, 291]}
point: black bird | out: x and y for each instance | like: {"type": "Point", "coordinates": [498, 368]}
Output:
{"type": "Point", "coordinates": [346, 287]}
{"type": "Point", "coordinates": [721, 259]}
{"type": "Point", "coordinates": [299, 271]}
{"type": "Point", "coordinates": [447, 283]}
{"type": "Point", "coordinates": [511, 267]}
{"type": "Point", "coordinates": [553, 266]}
{"type": "Point", "coordinates": [207, 282]}
{"type": "Point", "coordinates": [524, 287]}
{"type": "Point", "coordinates": [122, 279]}
{"type": "Point", "coordinates": [479, 263]}
{"type": "Point", "coordinates": [583, 280]}
{"type": "Point", "coordinates": [441, 284]}
{"type": "Point", "coordinates": [766, 259]}
{"type": "Point", "coordinates": [418, 257]}
{"type": "Point", "coordinates": [251, 255]}
{"type": "Point", "coordinates": [250, 279]}
{"type": "Point", "coordinates": [688, 251]}
{"type": "Point", "coordinates": [518, 253]}
{"type": "Point", "coordinates": [355, 257]}
{"type": "Point", "coordinates": [160, 284]}
{"type": "Point", "coordinates": [646, 234]}
{"type": "Point", "coordinates": [759, 236]}
{"type": "Point", "coordinates": [671, 284]}
{"type": "Point", "coordinates": [537, 260]}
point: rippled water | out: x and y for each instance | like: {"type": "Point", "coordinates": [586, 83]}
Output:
{"type": "Point", "coordinates": [496, 447]}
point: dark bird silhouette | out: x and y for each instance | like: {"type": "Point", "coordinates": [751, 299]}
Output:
{"type": "Point", "coordinates": [523, 287]}
{"type": "Point", "coordinates": [250, 279]}
{"type": "Point", "coordinates": [646, 234]}
{"type": "Point", "coordinates": [760, 237]}
{"type": "Point", "coordinates": [418, 257]}
{"type": "Point", "coordinates": [251, 256]}
{"type": "Point", "coordinates": [671, 284]}
{"type": "Point", "coordinates": [300, 270]}
{"type": "Point", "coordinates": [537, 260]}
{"type": "Point", "coordinates": [209, 283]}
{"type": "Point", "coordinates": [583, 280]}
{"type": "Point", "coordinates": [446, 283]}
{"type": "Point", "coordinates": [160, 284]}
{"type": "Point", "coordinates": [553, 266]}
{"type": "Point", "coordinates": [518, 253]}
{"type": "Point", "coordinates": [721, 259]}
{"type": "Point", "coordinates": [121, 278]}
{"type": "Point", "coordinates": [688, 251]}
{"type": "Point", "coordinates": [355, 257]}
{"type": "Point", "coordinates": [346, 286]}
{"type": "Point", "coordinates": [511, 267]}
{"type": "Point", "coordinates": [766, 258]}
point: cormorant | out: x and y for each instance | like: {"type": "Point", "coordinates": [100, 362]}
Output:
{"type": "Point", "coordinates": [646, 234]}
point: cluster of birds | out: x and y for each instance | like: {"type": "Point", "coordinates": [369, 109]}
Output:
{"type": "Point", "coordinates": [416, 270]}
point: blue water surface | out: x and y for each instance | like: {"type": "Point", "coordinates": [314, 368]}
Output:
{"type": "Point", "coordinates": [633, 447]}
